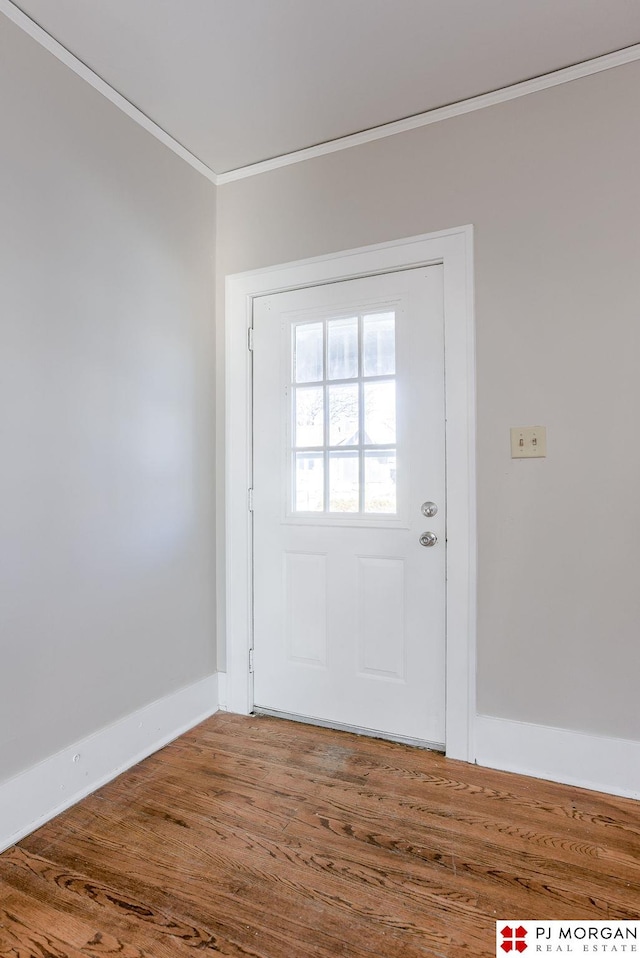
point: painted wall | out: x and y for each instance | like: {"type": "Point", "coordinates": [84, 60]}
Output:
{"type": "Point", "coordinates": [551, 184]}
{"type": "Point", "coordinates": [106, 411]}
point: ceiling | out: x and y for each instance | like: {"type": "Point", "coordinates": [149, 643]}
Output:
{"type": "Point", "coordinates": [240, 81]}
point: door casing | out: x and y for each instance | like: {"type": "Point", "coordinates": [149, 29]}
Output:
{"type": "Point", "coordinates": [454, 249]}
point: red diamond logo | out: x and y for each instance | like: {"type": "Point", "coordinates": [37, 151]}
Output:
{"type": "Point", "coordinates": [514, 939]}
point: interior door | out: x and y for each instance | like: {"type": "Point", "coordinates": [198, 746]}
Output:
{"type": "Point", "coordinates": [349, 512]}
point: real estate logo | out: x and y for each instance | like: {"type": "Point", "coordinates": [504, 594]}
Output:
{"type": "Point", "coordinates": [513, 938]}
{"type": "Point", "coordinates": [567, 937]}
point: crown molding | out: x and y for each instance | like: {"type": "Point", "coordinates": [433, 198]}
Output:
{"type": "Point", "coordinates": [535, 85]}
{"type": "Point", "coordinates": [503, 95]}
{"type": "Point", "coordinates": [13, 13]}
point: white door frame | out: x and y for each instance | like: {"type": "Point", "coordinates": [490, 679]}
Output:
{"type": "Point", "coordinates": [454, 249]}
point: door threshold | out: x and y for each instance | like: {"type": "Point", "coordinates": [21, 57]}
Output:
{"type": "Point", "coordinates": [356, 730]}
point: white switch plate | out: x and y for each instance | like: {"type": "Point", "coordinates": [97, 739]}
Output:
{"type": "Point", "coordinates": [528, 442]}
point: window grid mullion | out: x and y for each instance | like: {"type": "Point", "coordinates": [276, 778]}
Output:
{"type": "Point", "coordinates": [360, 417]}
{"type": "Point", "coordinates": [383, 377]}
{"type": "Point", "coordinates": [325, 400]}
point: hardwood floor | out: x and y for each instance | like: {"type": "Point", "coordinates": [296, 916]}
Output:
{"type": "Point", "coordinates": [259, 838]}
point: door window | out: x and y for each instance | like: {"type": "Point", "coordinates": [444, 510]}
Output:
{"type": "Point", "coordinates": [343, 410]}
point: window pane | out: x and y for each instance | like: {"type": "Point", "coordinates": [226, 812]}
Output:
{"type": "Point", "coordinates": [380, 482]}
{"type": "Point", "coordinates": [308, 353]}
{"type": "Point", "coordinates": [380, 413]}
{"type": "Point", "coordinates": [309, 414]}
{"type": "Point", "coordinates": [344, 482]}
{"type": "Point", "coordinates": [343, 415]}
{"type": "Point", "coordinates": [342, 348]}
{"type": "Point", "coordinates": [309, 482]}
{"type": "Point", "coordinates": [379, 344]}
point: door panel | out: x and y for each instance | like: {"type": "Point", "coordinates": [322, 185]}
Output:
{"type": "Point", "coordinates": [348, 418]}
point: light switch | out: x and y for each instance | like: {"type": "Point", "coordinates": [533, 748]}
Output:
{"type": "Point", "coordinates": [528, 442]}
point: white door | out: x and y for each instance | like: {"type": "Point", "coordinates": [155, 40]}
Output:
{"type": "Point", "coordinates": [348, 447]}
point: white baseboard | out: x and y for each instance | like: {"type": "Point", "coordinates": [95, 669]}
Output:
{"type": "Point", "coordinates": [35, 796]}
{"type": "Point", "coordinates": [559, 755]}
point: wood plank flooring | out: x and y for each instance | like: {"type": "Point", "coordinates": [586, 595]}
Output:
{"type": "Point", "coordinates": [259, 838]}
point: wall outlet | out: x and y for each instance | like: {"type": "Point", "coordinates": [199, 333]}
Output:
{"type": "Point", "coordinates": [528, 442]}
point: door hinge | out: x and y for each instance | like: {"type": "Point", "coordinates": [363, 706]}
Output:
{"type": "Point", "coordinates": [250, 660]}
{"type": "Point", "coordinates": [250, 499]}
{"type": "Point", "coordinates": [250, 338]}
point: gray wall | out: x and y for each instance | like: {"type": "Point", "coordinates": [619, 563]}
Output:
{"type": "Point", "coordinates": [106, 411]}
{"type": "Point", "coordinates": [551, 184]}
